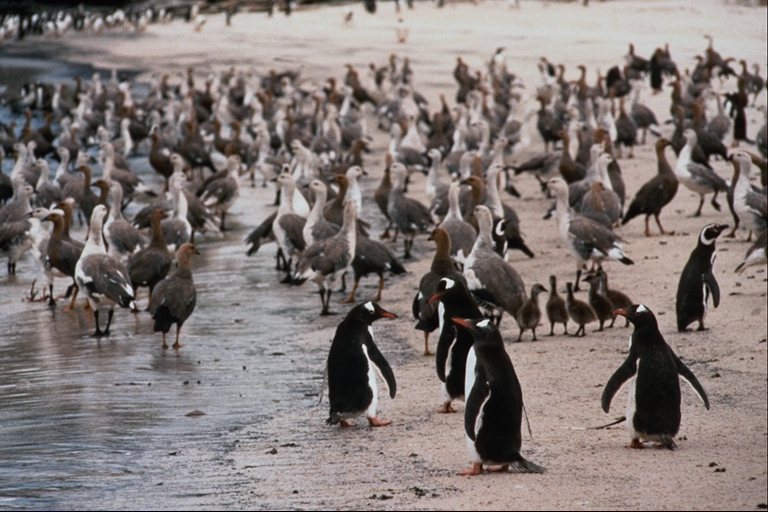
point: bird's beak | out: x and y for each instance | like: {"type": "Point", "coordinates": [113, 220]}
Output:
{"type": "Point", "coordinates": [436, 297]}
{"type": "Point", "coordinates": [386, 314]}
{"type": "Point", "coordinates": [621, 311]}
{"type": "Point", "coordinates": [462, 322]}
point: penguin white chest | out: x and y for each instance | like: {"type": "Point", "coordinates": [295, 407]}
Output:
{"type": "Point", "coordinates": [371, 411]}
{"type": "Point", "coordinates": [632, 404]}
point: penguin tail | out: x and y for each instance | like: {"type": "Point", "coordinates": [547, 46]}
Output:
{"type": "Point", "coordinates": [626, 261]}
{"type": "Point", "coordinates": [668, 443]}
{"type": "Point", "coordinates": [517, 242]}
{"type": "Point", "coordinates": [526, 466]}
{"type": "Point", "coordinates": [333, 419]}
{"type": "Point", "coordinates": [654, 129]}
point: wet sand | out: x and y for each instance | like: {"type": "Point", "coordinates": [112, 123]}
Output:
{"type": "Point", "coordinates": [93, 425]}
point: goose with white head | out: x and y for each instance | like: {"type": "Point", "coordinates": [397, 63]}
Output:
{"type": "Point", "coordinates": [100, 276]}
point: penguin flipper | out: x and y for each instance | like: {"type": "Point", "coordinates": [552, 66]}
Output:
{"type": "Point", "coordinates": [688, 375]}
{"type": "Point", "coordinates": [711, 284]}
{"type": "Point", "coordinates": [385, 371]}
{"type": "Point", "coordinates": [447, 337]}
{"type": "Point", "coordinates": [474, 403]}
{"type": "Point", "coordinates": [625, 372]}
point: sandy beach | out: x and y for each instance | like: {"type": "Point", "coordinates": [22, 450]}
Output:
{"type": "Point", "coordinates": [289, 458]}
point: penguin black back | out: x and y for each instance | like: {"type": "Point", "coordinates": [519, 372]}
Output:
{"type": "Point", "coordinates": [455, 340]}
{"type": "Point", "coordinates": [351, 383]}
{"type": "Point", "coordinates": [653, 412]}
{"type": "Point", "coordinates": [494, 404]}
{"type": "Point", "coordinates": [697, 281]}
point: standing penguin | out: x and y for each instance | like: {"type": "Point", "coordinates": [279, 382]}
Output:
{"type": "Point", "coordinates": [353, 361]}
{"type": "Point", "coordinates": [494, 404]}
{"type": "Point", "coordinates": [653, 405]}
{"type": "Point", "coordinates": [697, 281]}
{"type": "Point", "coordinates": [455, 340]}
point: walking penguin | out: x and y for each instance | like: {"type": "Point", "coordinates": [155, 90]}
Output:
{"type": "Point", "coordinates": [697, 282]}
{"type": "Point", "coordinates": [653, 404]}
{"type": "Point", "coordinates": [353, 361]}
{"type": "Point", "coordinates": [494, 404]}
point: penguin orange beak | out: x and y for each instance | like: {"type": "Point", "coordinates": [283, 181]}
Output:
{"type": "Point", "coordinates": [462, 322]}
{"type": "Point", "coordinates": [434, 298]}
{"type": "Point", "coordinates": [385, 314]}
{"type": "Point", "coordinates": [621, 311]}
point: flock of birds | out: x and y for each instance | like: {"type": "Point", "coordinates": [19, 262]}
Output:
{"type": "Point", "coordinates": [206, 137]}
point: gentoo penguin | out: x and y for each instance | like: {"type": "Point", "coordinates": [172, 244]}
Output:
{"type": "Point", "coordinates": [455, 340]}
{"type": "Point", "coordinates": [353, 361]}
{"type": "Point", "coordinates": [653, 405]}
{"type": "Point", "coordinates": [697, 282]}
{"type": "Point", "coordinates": [494, 403]}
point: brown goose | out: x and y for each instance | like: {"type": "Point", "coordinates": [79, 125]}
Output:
{"type": "Point", "coordinates": [220, 194]}
{"type": "Point", "coordinates": [63, 252]}
{"type": "Point", "coordinates": [327, 260]}
{"type": "Point", "coordinates": [494, 283]}
{"type": "Point", "coordinates": [570, 169]}
{"type": "Point", "coordinates": [626, 131]}
{"type": "Point", "coordinates": [579, 311]}
{"type": "Point", "coordinates": [462, 233]}
{"type": "Point", "coordinates": [556, 310]}
{"type": "Point", "coordinates": [617, 298]}
{"type": "Point", "coordinates": [529, 314]}
{"type": "Point", "coordinates": [381, 194]}
{"type": "Point", "coordinates": [408, 215]}
{"type": "Point", "coordinates": [316, 228]}
{"type": "Point", "coordinates": [600, 304]}
{"type": "Point", "coordinates": [174, 298]}
{"type": "Point", "coordinates": [585, 238]}
{"type": "Point", "coordinates": [101, 277]}
{"type": "Point", "coordinates": [122, 237]}
{"type": "Point", "coordinates": [288, 226]}
{"type": "Point", "coordinates": [442, 266]}
{"type": "Point", "coordinates": [656, 193]}
{"type": "Point", "coordinates": [149, 266]}
{"type": "Point", "coordinates": [372, 257]}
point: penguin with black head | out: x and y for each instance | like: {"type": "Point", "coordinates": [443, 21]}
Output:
{"type": "Point", "coordinates": [652, 367]}
{"type": "Point", "coordinates": [494, 404]}
{"type": "Point", "coordinates": [353, 362]}
{"type": "Point", "coordinates": [697, 282]}
{"type": "Point", "coordinates": [455, 340]}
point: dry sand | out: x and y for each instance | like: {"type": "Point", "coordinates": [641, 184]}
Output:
{"type": "Point", "coordinates": [721, 460]}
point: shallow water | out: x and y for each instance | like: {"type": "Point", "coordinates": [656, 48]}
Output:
{"type": "Point", "coordinates": [87, 423]}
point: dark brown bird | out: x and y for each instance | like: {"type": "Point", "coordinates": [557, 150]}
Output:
{"type": "Point", "coordinates": [602, 307]}
{"type": "Point", "coordinates": [556, 311]}
{"type": "Point", "coordinates": [579, 311]}
{"type": "Point", "coordinates": [529, 314]}
{"type": "Point", "coordinates": [150, 265]}
{"type": "Point", "coordinates": [656, 193]}
{"type": "Point", "coordinates": [174, 298]}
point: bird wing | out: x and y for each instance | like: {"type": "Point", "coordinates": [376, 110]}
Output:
{"type": "Point", "coordinates": [447, 338]}
{"type": "Point", "coordinates": [688, 375]}
{"type": "Point", "coordinates": [385, 371]}
{"type": "Point", "coordinates": [590, 233]}
{"type": "Point", "coordinates": [711, 287]}
{"type": "Point", "coordinates": [627, 369]}
{"type": "Point", "coordinates": [475, 401]}
{"type": "Point", "coordinates": [706, 176]}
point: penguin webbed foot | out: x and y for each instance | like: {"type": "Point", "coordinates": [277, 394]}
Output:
{"type": "Point", "coordinates": [446, 408]}
{"type": "Point", "coordinates": [476, 469]}
{"type": "Point", "coordinates": [375, 421]}
{"type": "Point", "coordinates": [636, 444]}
